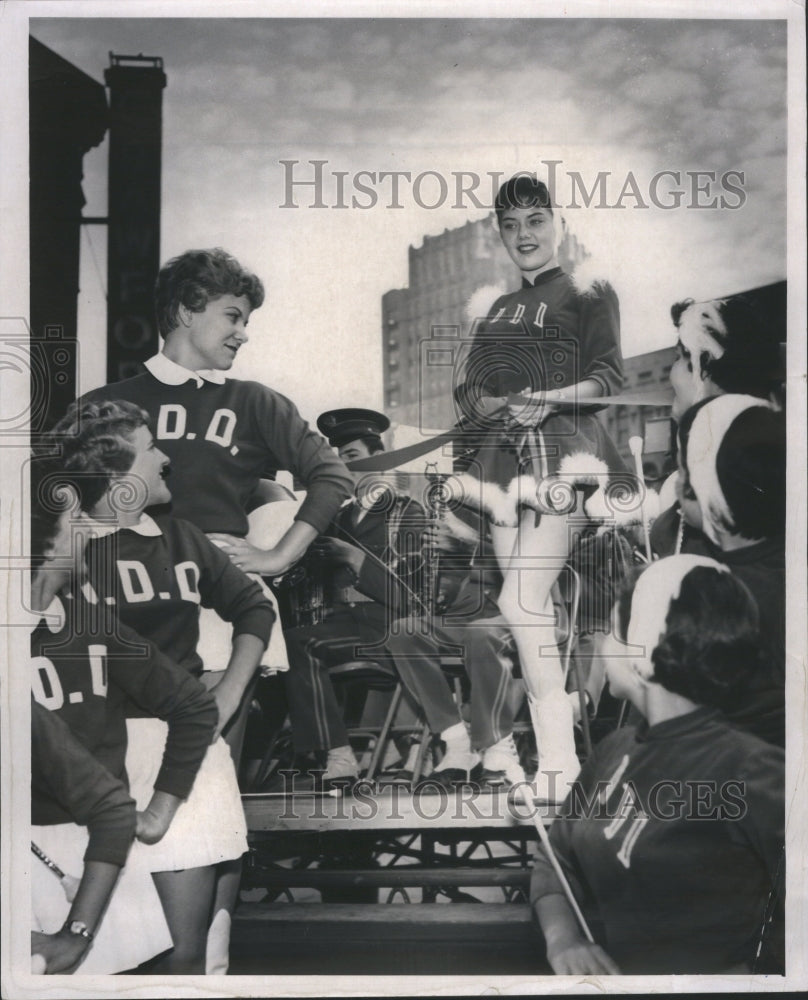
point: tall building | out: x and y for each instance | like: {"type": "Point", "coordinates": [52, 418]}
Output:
{"type": "Point", "coordinates": [444, 273]}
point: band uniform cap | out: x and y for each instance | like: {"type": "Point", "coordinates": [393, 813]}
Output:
{"type": "Point", "coordinates": [342, 426]}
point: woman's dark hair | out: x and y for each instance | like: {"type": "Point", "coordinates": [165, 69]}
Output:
{"type": "Point", "coordinates": [751, 362]}
{"type": "Point", "coordinates": [49, 499]}
{"type": "Point", "coordinates": [522, 191]}
{"type": "Point", "coordinates": [751, 468]}
{"type": "Point", "coordinates": [93, 442]}
{"type": "Point", "coordinates": [711, 646]}
{"type": "Point", "coordinates": [196, 277]}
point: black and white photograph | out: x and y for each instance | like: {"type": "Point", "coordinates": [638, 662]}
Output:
{"type": "Point", "coordinates": [403, 449]}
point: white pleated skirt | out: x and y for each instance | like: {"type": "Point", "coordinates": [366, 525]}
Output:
{"type": "Point", "coordinates": [209, 826]}
{"type": "Point", "coordinates": [133, 928]}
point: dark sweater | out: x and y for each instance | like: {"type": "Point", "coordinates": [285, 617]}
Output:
{"type": "Point", "coordinates": [65, 774]}
{"type": "Point", "coordinates": [87, 671]}
{"type": "Point", "coordinates": [681, 883]}
{"type": "Point", "coordinates": [222, 439]}
{"type": "Point", "coordinates": [160, 580]}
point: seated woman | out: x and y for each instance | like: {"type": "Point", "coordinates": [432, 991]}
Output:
{"type": "Point", "coordinates": [732, 489]}
{"type": "Point", "coordinates": [723, 346]}
{"type": "Point", "coordinates": [675, 858]}
{"type": "Point", "coordinates": [85, 667]}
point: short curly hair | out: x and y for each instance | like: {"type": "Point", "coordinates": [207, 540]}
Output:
{"type": "Point", "coordinates": [196, 277]}
{"type": "Point", "coordinates": [711, 647]}
{"type": "Point", "coordinates": [93, 444]}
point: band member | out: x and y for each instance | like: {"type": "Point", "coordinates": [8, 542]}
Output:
{"type": "Point", "coordinates": [87, 668]}
{"type": "Point", "coordinates": [558, 346]}
{"type": "Point", "coordinates": [732, 489]}
{"type": "Point", "coordinates": [723, 346]}
{"type": "Point", "coordinates": [470, 623]}
{"type": "Point", "coordinates": [157, 573]}
{"type": "Point", "coordinates": [685, 807]}
{"type": "Point", "coordinates": [371, 555]}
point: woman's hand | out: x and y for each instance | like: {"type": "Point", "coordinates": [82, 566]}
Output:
{"type": "Point", "coordinates": [152, 824]}
{"type": "Point", "coordinates": [529, 409]}
{"type": "Point", "coordinates": [228, 699]}
{"type": "Point", "coordinates": [61, 951]}
{"type": "Point", "coordinates": [249, 558]}
{"type": "Point", "coordinates": [150, 829]}
{"type": "Point", "coordinates": [582, 959]}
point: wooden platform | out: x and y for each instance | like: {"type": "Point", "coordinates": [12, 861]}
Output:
{"type": "Point", "coordinates": [392, 808]}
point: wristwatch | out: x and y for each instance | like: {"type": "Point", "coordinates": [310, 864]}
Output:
{"type": "Point", "coordinates": [79, 928]}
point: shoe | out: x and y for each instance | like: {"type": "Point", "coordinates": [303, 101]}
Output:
{"type": "Point", "coordinates": [341, 769]}
{"type": "Point", "coordinates": [457, 767]}
{"type": "Point", "coordinates": [405, 774]}
{"type": "Point", "coordinates": [501, 766]}
{"type": "Point", "coordinates": [449, 779]}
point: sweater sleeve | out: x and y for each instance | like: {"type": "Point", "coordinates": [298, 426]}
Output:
{"type": "Point", "coordinates": [308, 456]}
{"type": "Point", "coordinates": [64, 771]}
{"type": "Point", "coordinates": [166, 691]}
{"type": "Point", "coordinates": [229, 591]}
{"type": "Point", "coordinates": [599, 338]}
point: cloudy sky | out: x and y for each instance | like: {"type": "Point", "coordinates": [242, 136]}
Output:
{"type": "Point", "coordinates": [628, 97]}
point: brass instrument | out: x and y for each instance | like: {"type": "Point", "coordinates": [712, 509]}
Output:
{"type": "Point", "coordinates": [303, 594]}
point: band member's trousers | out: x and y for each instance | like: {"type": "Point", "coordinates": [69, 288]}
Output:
{"type": "Point", "coordinates": [484, 648]}
{"type": "Point", "coordinates": [315, 714]}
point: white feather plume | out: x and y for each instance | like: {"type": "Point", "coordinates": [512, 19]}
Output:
{"type": "Point", "coordinates": [481, 299]}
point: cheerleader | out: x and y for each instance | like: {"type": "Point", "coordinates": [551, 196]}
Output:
{"type": "Point", "coordinates": [558, 347]}
{"type": "Point", "coordinates": [678, 860]}
{"type": "Point", "coordinates": [723, 346]}
{"type": "Point", "coordinates": [85, 668]}
{"type": "Point", "coordinates": [157, 572]}
{"type": "Point", "coordinates": [732, 490]}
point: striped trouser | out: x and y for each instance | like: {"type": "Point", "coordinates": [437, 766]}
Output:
{"type": "Point", "coordinates": [483, 646]}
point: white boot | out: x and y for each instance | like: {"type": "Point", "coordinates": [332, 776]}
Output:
{"type": "Point", "coordinates": [502, 759]}
{"type": "Point", "coordinates": [217, 950]}
{"type": "Point", "coordinates": [558, 763]}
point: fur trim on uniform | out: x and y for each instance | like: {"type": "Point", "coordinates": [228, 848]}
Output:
{"type": "Point", "coordinates": [587, 275]}
{"type": "Point", "coordinates": [481, 299]}
{"type": "Point", "coordinates": [556, 494]}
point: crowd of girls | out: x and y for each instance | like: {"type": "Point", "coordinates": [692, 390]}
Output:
{"type": "Point", "coordinates": [697, 645]}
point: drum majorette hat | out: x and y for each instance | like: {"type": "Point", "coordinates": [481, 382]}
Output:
{"type": "Point", "coordinates": [342, 426]}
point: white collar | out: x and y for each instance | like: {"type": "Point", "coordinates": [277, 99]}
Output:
{"type": "Point", "coordinates": [54, 615]}
{"type": "Point", "coordinates": [146, 526]}
{"type": "Point", "coordinates": [170, 373]}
